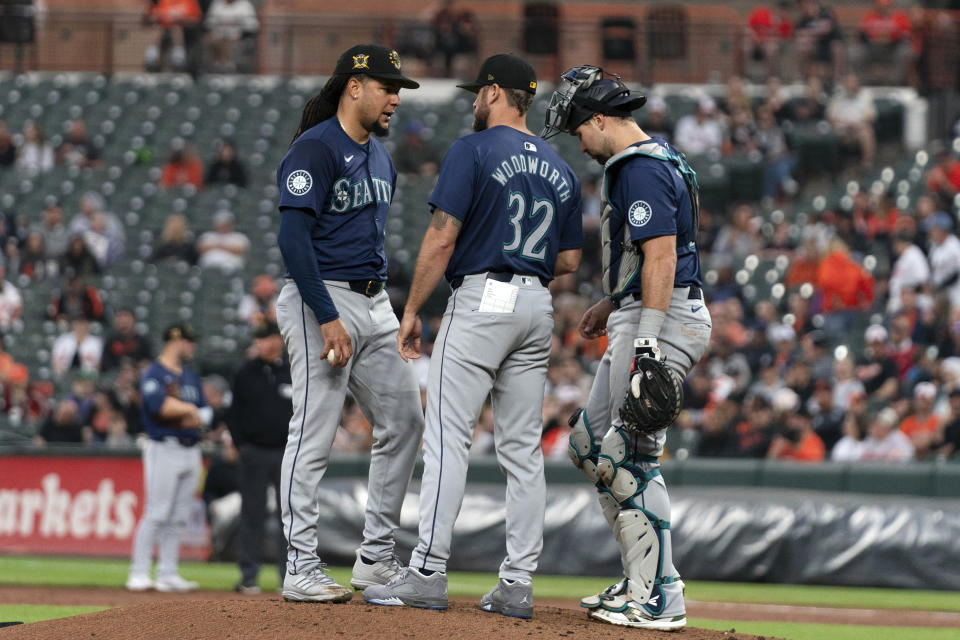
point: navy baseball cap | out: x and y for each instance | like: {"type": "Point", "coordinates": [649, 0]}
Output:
{"type": "Point", "coordinates": [508, 71]}
{"type": "Point", "coordinates": [375, 61]}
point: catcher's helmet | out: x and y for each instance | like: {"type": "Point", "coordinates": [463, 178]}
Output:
{"type": "Point", "coordinates": [584, 91]}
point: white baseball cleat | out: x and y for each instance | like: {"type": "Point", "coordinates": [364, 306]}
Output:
{"type": "Point", "coordinates": [380, 572]}
{"type": "Point", "coordinates": [139, 582]}
{"type": "Point", "coordinates": [314, 586]}
{"type": "Point", "coordinates": [627, 613]}
{"type": "Point", "coordinates": [175, 584]}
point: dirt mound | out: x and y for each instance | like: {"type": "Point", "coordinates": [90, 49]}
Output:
{"type": "Point", "coordinates": [223, 618]}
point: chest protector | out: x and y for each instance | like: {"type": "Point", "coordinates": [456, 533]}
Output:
{"type": "Point", "coordinates": [630, 255]}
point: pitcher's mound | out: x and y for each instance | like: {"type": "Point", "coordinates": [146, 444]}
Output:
{"type": "Point", "coordinates": [245, 618]}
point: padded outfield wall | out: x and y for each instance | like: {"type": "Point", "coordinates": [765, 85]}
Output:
{"type": "Point", "coordinates": [865, 525]}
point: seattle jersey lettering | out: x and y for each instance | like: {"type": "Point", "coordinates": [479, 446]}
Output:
{"type": "Point", "coordinates": [349, 196]}
{"type": "Point", "coordinates": [534, 166]}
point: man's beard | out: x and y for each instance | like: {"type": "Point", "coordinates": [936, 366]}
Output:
{"type": "Point", "coordinates": [378, 129]}
{"type": "Point", "coordinates": [480, 117]}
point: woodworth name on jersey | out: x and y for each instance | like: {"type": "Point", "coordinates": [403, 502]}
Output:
{"type": "Point", "coordinates": [519, 163]}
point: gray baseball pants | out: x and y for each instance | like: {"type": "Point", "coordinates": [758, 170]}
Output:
{"type": "Point", "coordinates": [387, 392]}
{"type": "Point", "coordinates": [476, 354]}
{"type": "Point", "coordinates": [171, 475]}
{"type": "Point", "coordinates": [683, 340]}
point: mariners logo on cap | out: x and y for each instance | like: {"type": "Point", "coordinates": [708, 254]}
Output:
{"type": "Point", "coordinates": [640, 213]}
{"type": "Point", "coordinates": [361, 61]}
{"type": "Point", "coordinates": [299, 182]}
{"type": "Point", "coordinates": [395, 59]}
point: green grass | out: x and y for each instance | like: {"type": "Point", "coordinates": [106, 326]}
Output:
{"type": "Point", "coordinates": [220, 576]}
{"type": "Point", "coordinates": [95, 572]}
{"type": "Point", "coordinates": [36, 612]}
{"type": "Point", "coordinates": [806, 631]}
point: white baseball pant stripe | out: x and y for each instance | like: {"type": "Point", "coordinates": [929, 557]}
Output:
{"type": "Point", "coordinates": [503, 355]}
{"type": "Point", "coordinates": [387, 392]}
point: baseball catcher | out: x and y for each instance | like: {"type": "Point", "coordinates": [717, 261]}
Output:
{"type": "Point", "coordinates": [658, 327]}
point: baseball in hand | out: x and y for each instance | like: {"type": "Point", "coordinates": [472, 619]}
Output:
{"type": "Point", "coordinates": [331, 356]}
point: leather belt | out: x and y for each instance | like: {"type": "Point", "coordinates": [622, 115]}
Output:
{"type": "Point", "coordinates": [695, 293]}
{"type": "Point", "coordinates": [369, 288]}
{"type": "Point", "coordinates": [499, 276]}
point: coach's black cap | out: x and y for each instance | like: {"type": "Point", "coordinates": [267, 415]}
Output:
{"type": "Point", "coordinates": [508, 71]}
{"type": "Point", "coordinates": [180, 331]}
{"type": "Point", "coordinates": [375, 61]}
{"type": "Point", "coordinates": [266, 328]}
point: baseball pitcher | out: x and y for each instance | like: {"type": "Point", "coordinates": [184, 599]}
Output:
{"type": "Point", "coordinates": [506, 220]}
{"type": "Point", "coordinates": [336, 184]}
{"type": "Point", "coordinates": [658, 327]}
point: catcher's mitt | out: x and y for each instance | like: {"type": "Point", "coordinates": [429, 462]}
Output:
{"type": "Point", "coordinates": [654, 398]}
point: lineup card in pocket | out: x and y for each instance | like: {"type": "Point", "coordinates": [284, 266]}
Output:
{"type": "Point", "coordinates": [498, 297]}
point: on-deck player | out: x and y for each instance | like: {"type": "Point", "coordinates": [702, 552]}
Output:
{"type": "Point", "coordinates": [336, 183]}
{"type": "Point", "coordinates": [174, 412]}
{"type": "Point", "coordinates": [506, 220]}
{"type": "Point", "coordinates": [653, 307]}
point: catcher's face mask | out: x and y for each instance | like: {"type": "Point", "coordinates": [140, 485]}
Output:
{"type": "Point", "coordinates": [573, 80]}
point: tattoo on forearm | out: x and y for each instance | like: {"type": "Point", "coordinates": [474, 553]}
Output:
{"type": "Point", "coordinates": [440, 219]}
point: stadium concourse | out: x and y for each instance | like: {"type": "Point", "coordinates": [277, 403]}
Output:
{"type": "Point", "coordinates": [800, 359]}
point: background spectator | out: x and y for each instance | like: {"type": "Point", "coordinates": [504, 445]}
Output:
{"type": "Point", "coordinates": [224, 247]}
{"type": "Point", "coordinates": [701, 133]}
{"type": "Point", "coordinates": [76, 150]}
{"type": "Point", "coordinates": [77, 299]}
{"type": "Point", "coordinates": [851, 114]}
{"type": "Point", "coordinates": [415, 154]}
{"type": "Point", "coordinates": [8, 150]}
{"type": "Point", "coordinates": [180, 23]}
{"type": "Point", "coordinates": [125, 344]}
{"type": "Point", "coordinates": [11, 302]}
{"type": "Point", "coordinates": [183, 168]}
{"type": "Point", "coordinates": [35, 154]}
{"type": "Point", "coordinates": [77, 258]}
{"type": "Point", "coordinates": [883, 38]}
{"type": "Point", "coordinates": [232, 27]}
{"type": "Point", "coordinates": [176, 242]}
{"type": "Point", "coordinates": [819, 42]}
{"type": "Point", "coordinates": [261, 303]}
{"type": "Point", "coordinates": [884, 442]}
{"type": "Point", "coordinates": [769, 29]}
{"type": "Point", "coordinates": [63, 426]}
{"type": "Point", "coordinates": [76, 349]}
{"type": "Point", "coordinates": [226, 167]}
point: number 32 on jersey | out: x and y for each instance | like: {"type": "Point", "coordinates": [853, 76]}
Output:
{"type": "Point", "coordinates": [532, 245]}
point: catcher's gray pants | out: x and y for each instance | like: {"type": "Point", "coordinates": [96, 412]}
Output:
{"type": "Point", "coordinates": [387, 392]}
{"type": "Point", "coordinates": [476, 354]}
{"type": "Point", "coordinates": [171, 475]}
{"type": "Point", "coordinates": [683, 341]}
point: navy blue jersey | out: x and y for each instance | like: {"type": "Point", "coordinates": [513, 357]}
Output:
{"type": "Point", "coordinates": [158, 382]}
{"type": "Point", "coordinates": [651, 198]}
{"type": "Point", "coordinates": [518, 201]}
{"type": "Point", "coordinates": [348, 187]}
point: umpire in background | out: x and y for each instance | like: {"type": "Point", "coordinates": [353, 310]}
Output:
{"type": "Point", "coordinates": [258, 421]}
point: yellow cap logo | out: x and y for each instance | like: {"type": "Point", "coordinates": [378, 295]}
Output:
{"type": "Point", "coordinates": [395, 59]}
{"type": "Point", "coordinates": [360, 61]}
{"type": "Point", "coordinates": [490, 77]}
{"type": "Point", "coordinates": [533, 85]}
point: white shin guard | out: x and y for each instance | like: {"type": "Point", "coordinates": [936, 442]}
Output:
{"type": "Point", "coordinates": [640, 551]}
{"type": "Point", "coordinates": [582, 449]}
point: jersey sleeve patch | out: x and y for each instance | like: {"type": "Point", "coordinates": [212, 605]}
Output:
{"type": "Point", "coordinates": [640, 213]}
{"type": "Point", "coordinates": [299, 182]}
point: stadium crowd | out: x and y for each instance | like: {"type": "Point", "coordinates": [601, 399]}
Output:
{"type": "Point", "coordinates": [857, 358]}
